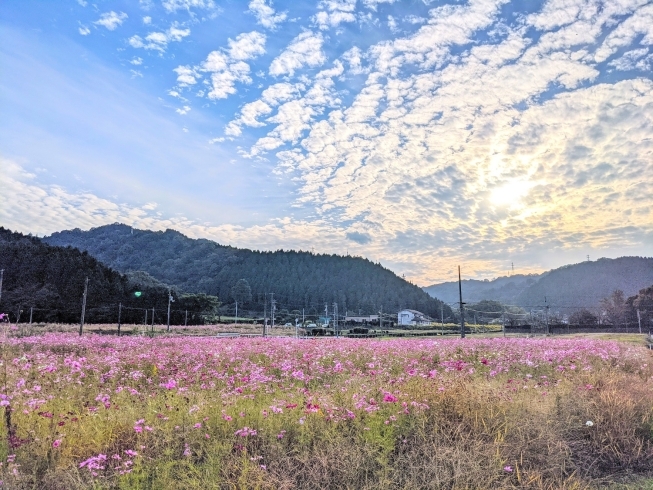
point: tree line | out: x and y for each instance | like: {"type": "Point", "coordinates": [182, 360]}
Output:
{"type": "Point", "coordinates": [299, 280]}
{"type": "Point", "coordinates": [48, 283]}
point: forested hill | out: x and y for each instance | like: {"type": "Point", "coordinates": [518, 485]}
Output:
{"type": "Point", "coordinates": [297, 279]}
{"type": "Point", "coordinates": [577, 285]}
{"type": "Point", "coordinates": [52, 278]}
{"type": "Point", "coordinates": [50, 281]}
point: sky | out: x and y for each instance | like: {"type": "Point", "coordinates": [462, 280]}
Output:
{"type": "Point", "coordinates": [420, 134]}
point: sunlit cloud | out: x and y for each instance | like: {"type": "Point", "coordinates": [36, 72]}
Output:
{"type": "Point", "coordinates": [476, 132]}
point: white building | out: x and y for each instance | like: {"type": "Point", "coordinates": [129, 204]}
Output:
{"type": "Point", "coordinates": [412, 317]}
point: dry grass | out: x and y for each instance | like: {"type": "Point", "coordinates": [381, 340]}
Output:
{"type": "Point", "coordinates": [464, 436]}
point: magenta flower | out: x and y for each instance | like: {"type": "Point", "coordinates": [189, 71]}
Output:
{"type": "Point", "coordinates": [56, 443]}
{"type": "Point", "coordinates": [389, 398]}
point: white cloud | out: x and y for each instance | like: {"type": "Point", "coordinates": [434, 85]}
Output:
{"type": "Point", "coordinates": [281, 92]}
{"type": "Point", "coordinates": [247, 46]}
{"type": "Point", "coordinates": [640, 23]}
{"type": "Point", "coordinates": [353, 58]}
{"type": "Point", "coordinates": [463, 144]}
{"type": "Point", "coordinates": [250, 112]}
{"type": "Point", "coordinates": [30, 207]}
{"type": "Point", "coordinates": [265, 14]}
{"type": "Point", "coordinates": [225, 67]}
{"type": "Point", "coordinates": [84, 31]}
{"type": "Point", "coordinates": [158, 41]}
{"type": "Point", "coordinates": [224, 75]}
{"type": "Point", "coordinates": [174, 5]}
{"type": "Point", "coordinates": [392, 24]}
{"type": "Point", "coordinates": [414, 19]}
{"type": "Point", "coordinates": [336, 12]}
{"type": "Point", "coordinates": [185, 76]}
{"type": "Point", "coordinates": [147, 20]}
{"type": "Point", "coordinates": [136, 74]}
{"type": "Point", "coordinates": [183, 111]}
{"type": "Point", "coordinates": [223, 81]}
{"type": "Point", "coordinates": [136, 61]}
{"type": "Point", "coordinates": [111, 20]}
{"type": "Point", "coordinates": [304, 50]}
{"type": "Point", "coordinates": [372, 4]}
{"type": "Point", "coordinates": [83, 3]}
{"type": "Point", "coordinates": [632, 60]}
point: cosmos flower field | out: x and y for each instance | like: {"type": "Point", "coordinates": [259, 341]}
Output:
{"type": "Point", "coordinates": [174, 412]}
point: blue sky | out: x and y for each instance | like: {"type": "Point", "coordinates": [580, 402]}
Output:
{"type": "Point", "coordinates": [421, 134]}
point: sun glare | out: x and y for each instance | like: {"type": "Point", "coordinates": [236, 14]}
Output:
{"type": "Point", "coordinates": [510, 194]}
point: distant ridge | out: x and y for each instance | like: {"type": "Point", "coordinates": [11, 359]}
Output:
{"type": "Point", "coordinates": [298, 279]}
{"type": "Point", "coordinates": [577, 285]}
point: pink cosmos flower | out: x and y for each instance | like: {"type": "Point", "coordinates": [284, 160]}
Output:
{"type": "Point", "coordinates": [56, 443]}
{"type": "Point", "coordinates": [389, 398]}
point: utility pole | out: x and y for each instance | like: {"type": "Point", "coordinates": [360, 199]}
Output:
{"type": "Point", "coordinates": [31, 308]}
{"type": "Point", "coordinates": [81, 323]}
{"type": "Point", "coordinates": [170, 300]}
{"type": "Point", "coordinates": [503, 322]}
{"type": "Point", "coordinates": [462, 308]}
{"type": "Point", "coordinates": [546, 315]}
{"type": "Point", "coordinates": [335, 320]}
{"type": "Point", "coordinates": [146, 317]}
{"type": "Point", "coordinates": [381, 318]}
{"type": "Point", "coordinates": [265, 314]}
{"type": "Point", "coordinates": [273, 307]}
{"type": "Point", "coordinates": [2, 273]}
{"type": "Point", "coordinates": [326, 315]}
{"type": "Point", "coordinates": [236, 313]}
{"type": "Point", "coordinates": [153, 319]}
{"type": "Point", "coordinates": [303, 317]}
{"type": "Point", "coordinates": [186, 319]}
{"type": "Point", "coordinates": [119, 314]}
{"type": "Point", "coordinates": [639, 321]}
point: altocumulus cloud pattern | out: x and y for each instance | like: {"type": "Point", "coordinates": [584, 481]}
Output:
{"type": "Point", "coordinates": [416, 133]}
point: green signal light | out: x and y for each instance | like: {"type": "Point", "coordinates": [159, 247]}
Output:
{"type": "Point", "coordinates": [138, 294]}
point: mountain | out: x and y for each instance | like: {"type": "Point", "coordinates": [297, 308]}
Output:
{"type": "Point", "coordinates": [299, 280]}
{"type": "Point", "coordinates": [49, 280]}
{"type": "Point", "coordinates": [578, 285]}
{"type": "Point", "coordinates": [502, 289]}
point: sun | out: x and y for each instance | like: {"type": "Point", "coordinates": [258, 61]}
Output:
{"type": "Point", "coordinates": [510, 194]}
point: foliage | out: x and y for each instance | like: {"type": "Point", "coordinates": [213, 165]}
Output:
{"type": "Point", "coordinates": [583, 317]}
{"type": "Point", "coordinates": [642, 302]}
{"type": "Point", "coordinates": [97, 412]}
{"type": "Point", "coordinates": [241, 292]}
{"type": "Point", "coordinates": [50, 279]}
{"type": "Point", "coordinates": [298, 279]}
{"type": "Point", "coordinates": [615, 307]}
